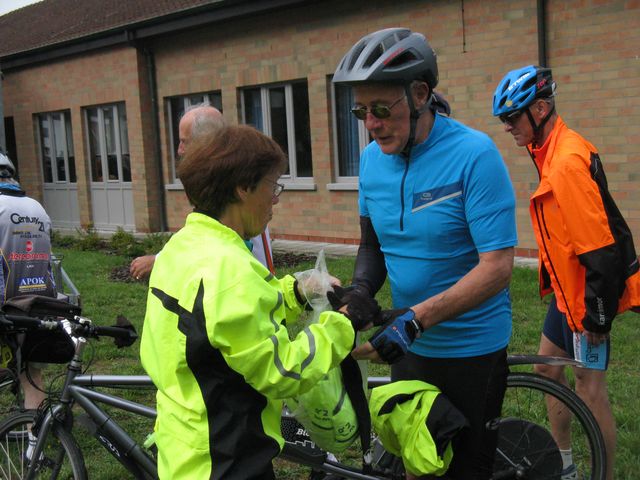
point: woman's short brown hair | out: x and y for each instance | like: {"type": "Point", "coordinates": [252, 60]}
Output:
{"type": "Point", "coordinates": [215, 165]}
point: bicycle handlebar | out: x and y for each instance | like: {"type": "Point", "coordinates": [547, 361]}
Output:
{"type": "Point", "coordinates": [80, 326]}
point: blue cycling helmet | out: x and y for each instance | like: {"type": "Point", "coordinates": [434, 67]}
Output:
{"type": "Point", "coordinates": [519, 88]}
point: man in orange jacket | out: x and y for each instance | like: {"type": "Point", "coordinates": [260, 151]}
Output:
{"type": "Point", "coordinates": [586, 253]}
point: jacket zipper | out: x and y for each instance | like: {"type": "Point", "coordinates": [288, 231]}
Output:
{"type": "Point", "coordinates": [543, 230]}
{"type": "Point", "coordinates": [404, 177]}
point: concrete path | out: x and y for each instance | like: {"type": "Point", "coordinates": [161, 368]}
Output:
{"type": "Point", "coordinates": [344, 250]}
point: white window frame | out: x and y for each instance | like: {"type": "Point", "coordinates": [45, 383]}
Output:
{"type": "Point", "coordinates": [103, 143]}
{"type": "Point", "coordinates": [344, 182]}
{"type": "Point", "coordinates": [290, 180]}
{"type": "Point", "coordinates": [174, 181]}
{"type": "Point", "coordinates": [48, 116]}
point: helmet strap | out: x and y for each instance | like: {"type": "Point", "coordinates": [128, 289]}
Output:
{"type": "Point", "coordinates": [537, 129]}
{"type": "Point", "coordinates": [414, 115]}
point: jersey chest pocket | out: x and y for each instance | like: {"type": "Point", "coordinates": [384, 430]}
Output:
{"type": "Point", "coordinates": [429, 197]}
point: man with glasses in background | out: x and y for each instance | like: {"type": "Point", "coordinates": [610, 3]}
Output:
{"type": "Point", "coordinates": [437, 215]}
{"type": "Point", "coordinates": [586, 254]}
{"type": "Point", "coordinates": [199, 120]}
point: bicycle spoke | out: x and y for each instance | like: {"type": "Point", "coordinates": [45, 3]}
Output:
{"type": "Point", "coordinates": [527, 449]}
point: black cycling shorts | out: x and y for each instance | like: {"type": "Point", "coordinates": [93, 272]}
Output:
{"type": "Point", "coordinates": [476, 386]}
{"type": "Point", "coordinates": [557, 330]}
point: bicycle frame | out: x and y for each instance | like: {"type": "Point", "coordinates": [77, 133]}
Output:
{"type": "Point", "coordinates": [79, 389]}
{"type": "Point", "coordinates": [107, 431]}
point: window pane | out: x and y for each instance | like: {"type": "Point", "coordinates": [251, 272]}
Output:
{"type": "Point", "coordinates": [195, 99]}
{"type": "Point", "coordinates": [278, 112]}
{"type": "Point", "coordinates": [215, 100]}
{"type": "Point", "coordinates": [110, 139]}
{"type": "Point", "coordinates": [302, 130]}
{"type": "Point", "coordinates": [71, 160]}
{"type": "Point", "coordinates": [347, 133]}
{"type": "Point", "coordinates": [94, 145]}
{"type": "Point", "coordinates": [59, 142]}
{"type": "Point", "coordinates": [124, 144]}
{"type": "Point", "coordinates": [253, 108]}
{"type": "Point", "coordinates": [45, 142]}
{"type": "Point", "coordinates": [177, 109]}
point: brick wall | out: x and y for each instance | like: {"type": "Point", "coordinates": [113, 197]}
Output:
{"type": "Point", "coordinates": [103, 77]}
{"type": "Point", "coordinates": [592, 48]}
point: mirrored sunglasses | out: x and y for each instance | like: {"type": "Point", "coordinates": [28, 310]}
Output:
{"type": "Point", "coordinates": [378, 111]}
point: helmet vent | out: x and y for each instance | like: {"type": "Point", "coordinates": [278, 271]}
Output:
{"type": "Point", "coordinates": [529, 83]}
{"type": "Point", "coordinates": [403, 34]}
{"type": "Point", "coordinates": [356, 54]}
{"type": "Point", "coordinates": [404, 58]}
{"type": "Point", "coordinates": [375, 55]}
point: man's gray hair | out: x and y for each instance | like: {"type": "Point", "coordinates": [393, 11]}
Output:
{"type": "Point", "coordinates": [205, 121]}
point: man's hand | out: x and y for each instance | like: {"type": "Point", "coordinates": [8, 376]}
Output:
{"type": "Point", "coordinates": [361, 309]}
{"type": "Point", "coordinates": [398, 332]}
{"type": "Point", "coordinates": [141, 266]}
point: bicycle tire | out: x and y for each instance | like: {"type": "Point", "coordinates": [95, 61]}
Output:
{"type": "Point", "coordinates": [61, 458]}
{"type": "Point", "coordinates": [526, 449]}
{"type": "Point", "coordinates": [10, 394]}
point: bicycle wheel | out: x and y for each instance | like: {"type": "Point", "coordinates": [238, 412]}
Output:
{"type": "Point", "coordinates": [526, 449]}
{"type": "Point", "coordinates": [10, 393]}
{"type": "Point", "coordinates": [61, 458]}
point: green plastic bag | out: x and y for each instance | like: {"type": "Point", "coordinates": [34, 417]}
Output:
{"type": "Point", "coordinates": [325, 411]}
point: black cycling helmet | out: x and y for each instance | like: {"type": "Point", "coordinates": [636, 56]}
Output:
{"type": "Point", "coordinates": [393, 55]}
{"type": "Point", "coordinates": [7, 170]}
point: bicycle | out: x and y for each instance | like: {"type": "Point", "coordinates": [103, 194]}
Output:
{"type": "Point", "coordinates": [55, 453]}
{"type": "Point", "coordinates": [526, 449]}
{"type": "Point", "coordinates": [10, 389]}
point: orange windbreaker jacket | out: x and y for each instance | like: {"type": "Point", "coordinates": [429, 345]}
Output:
{"type": "Point", "coordinates": [586, 252]}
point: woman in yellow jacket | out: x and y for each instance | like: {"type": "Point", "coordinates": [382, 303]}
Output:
{"type": "Point", "coordinates": [586, 252]}
{"type": "Point", "coordinates": [214, 340]}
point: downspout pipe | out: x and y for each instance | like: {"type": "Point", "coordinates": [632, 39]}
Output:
{"type": "Point", "coordinates": [155, 113]}
{"type": "Point", "coordinates": [542, 33]}
{"type": "Point", "coordinates": [3, 140]}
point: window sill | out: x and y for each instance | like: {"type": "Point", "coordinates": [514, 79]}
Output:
{"type": "Point", "coordinates": [343, 186]}
{"type": "Point", "coordinates": [289, 186]}
{"type": "Point", "coordinates": [173, 186]}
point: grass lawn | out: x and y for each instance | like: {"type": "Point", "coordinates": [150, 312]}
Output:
{"type": "Point", "coordinates": [103, 299]}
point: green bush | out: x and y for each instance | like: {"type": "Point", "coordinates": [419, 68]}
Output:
{"type": "Point", "coordinates": [125, 244]}
{"type": "Point", "coordinates": [64, 241]}
{"type": "Point", "coordinates": [153, 242]}
{"type": "Point", "coordinates": [89, 240]}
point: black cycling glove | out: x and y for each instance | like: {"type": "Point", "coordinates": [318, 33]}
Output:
{"type": "Point", "coordinates": [361, 308]}
{"type": "Point", "coordinates": [399, 330]}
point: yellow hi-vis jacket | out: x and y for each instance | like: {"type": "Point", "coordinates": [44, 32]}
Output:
{"type": "Point", "coordinates": [216, 348]}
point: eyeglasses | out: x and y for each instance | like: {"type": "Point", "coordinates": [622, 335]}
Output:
{"type": "Point", "coordinates": [277, 187]}
{"type": "Point", "coordinates": [511, 118]}
{"type": "Point", "coordinates": [378, 111]}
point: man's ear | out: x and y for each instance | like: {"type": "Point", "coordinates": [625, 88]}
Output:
{"type": "Point", "coordinates": [542, 108]}
{"type": "Point", "coordinates": [421, 94]}
{"type": "Point", "coordinates": [242, 193]}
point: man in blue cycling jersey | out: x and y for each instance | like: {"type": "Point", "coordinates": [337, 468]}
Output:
{"type": "Point", "coordinates": [437, 216]}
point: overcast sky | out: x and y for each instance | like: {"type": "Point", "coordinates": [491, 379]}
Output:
{"type": "Point", "coordinates": [8, 5]}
